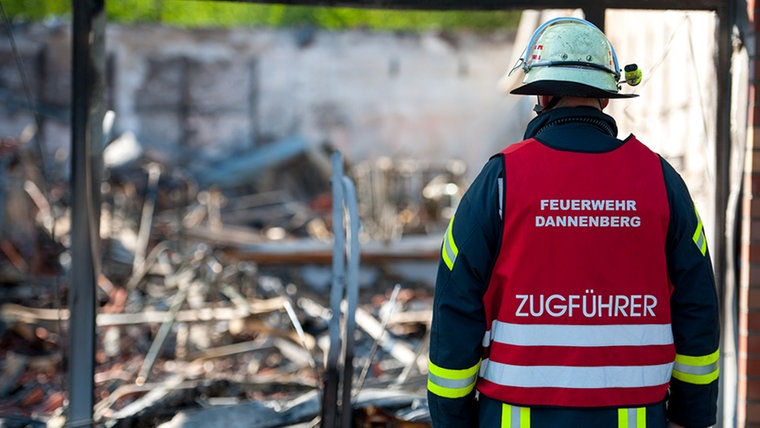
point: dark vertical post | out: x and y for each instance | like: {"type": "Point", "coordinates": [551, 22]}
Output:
{"type": "Point", "coordinates": [87, 83]}
{"type": "Point", "coordinates": [595, 15]}
{"type": "Point", "coordinates": [723, 141]}
{"type": "Point", "coordinates": [726, 19]}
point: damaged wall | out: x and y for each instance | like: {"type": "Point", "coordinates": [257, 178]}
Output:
{"type": "Point", "coordinates": [196, 97]}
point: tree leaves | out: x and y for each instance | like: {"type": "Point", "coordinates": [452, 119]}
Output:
{"type": "Point", "coordinates": [200, 13]}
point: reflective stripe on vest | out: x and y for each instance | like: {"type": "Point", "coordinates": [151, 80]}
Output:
{"type": "Point", "coordinates": [515, 416]}
{"type": "Point", "coordinates": [450, 383]}
{"type": "Point", "coordinates": [697, 370]}
{"type": "Point", "coordinates": [576, 377]}
{"type": "Point", "coordinates": [538, 376]}
{"type": "Point", "coordinates": [632, 418]}
{"type": "Point", "coordinates": [580, 335]}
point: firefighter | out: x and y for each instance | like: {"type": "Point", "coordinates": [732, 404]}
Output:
{"type": "Point", "coordinates": [575, 287]}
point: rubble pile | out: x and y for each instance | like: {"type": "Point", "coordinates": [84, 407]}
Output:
{"type": "Point", "coordinates": [213, 294]}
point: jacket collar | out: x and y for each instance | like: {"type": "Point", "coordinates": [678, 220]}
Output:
{"type": "Point", "coordinates": [583, 116]}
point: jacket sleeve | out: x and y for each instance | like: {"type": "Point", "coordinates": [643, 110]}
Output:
{"type": "Point", "coordinates": [467, 254]}
{"type": "Point", "coordinates": [694, 311]}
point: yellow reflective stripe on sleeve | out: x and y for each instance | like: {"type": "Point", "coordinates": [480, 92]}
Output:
{"type": "Point", "coordinates": [699, 234]}
{"type": "Point", "coordinates": [449, 250]}
{"type": "Point", "coordinates": [699, 370]}
{"type": "Point", "coordinates": [451, 383]}
{"type": "Point", "coordinates": [641, 417]}
{"type": "Point", "coordinates": [635, 417]}
{"type": "Point", "coordinates": [515, 416]}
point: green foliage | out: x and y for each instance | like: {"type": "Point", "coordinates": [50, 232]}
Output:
{"type": "Point", "coordinates": [35, 10]}
{"type": "Point", "coordinates": [200, 13]}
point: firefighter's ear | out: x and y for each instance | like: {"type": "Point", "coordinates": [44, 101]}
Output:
{"type": "Point", "coordinates": [542, 103]}
{"type": "Point", "coordinates": [544, 100]}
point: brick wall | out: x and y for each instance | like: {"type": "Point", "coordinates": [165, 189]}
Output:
{"type": "Point", "coordinates": [748, 403]}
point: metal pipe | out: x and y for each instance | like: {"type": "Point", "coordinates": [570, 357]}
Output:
{"type": "Point", "coordinates": [331, 382]}
{"type": "Point", "coordinates": [352, 297]}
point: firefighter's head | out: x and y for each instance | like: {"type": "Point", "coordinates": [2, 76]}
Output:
{"type": "Point", "coordinates": [570, 57]}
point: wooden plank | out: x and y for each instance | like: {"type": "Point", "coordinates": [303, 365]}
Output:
{"type": "Point", "coordinates": [310, 251]}
{"type": "Point", "coordinates": [12, 313]}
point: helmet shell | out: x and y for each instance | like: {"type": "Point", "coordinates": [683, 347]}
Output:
{"type": "Point", "coordinates": [570, 57]}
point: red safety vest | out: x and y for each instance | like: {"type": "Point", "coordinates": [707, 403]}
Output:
{"type": "Point", "coordinates": [578, 300]}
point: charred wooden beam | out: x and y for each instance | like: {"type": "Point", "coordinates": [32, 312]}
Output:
{"type": "Point", "coordinates": [309, 251]}
{"type": "Point", "coordinates": [87, 112]}
{"type": "Point", "coordinates": [11, 313]}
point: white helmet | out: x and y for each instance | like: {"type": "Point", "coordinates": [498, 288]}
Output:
{"type": "Point", "coordinates": [570, 57]}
